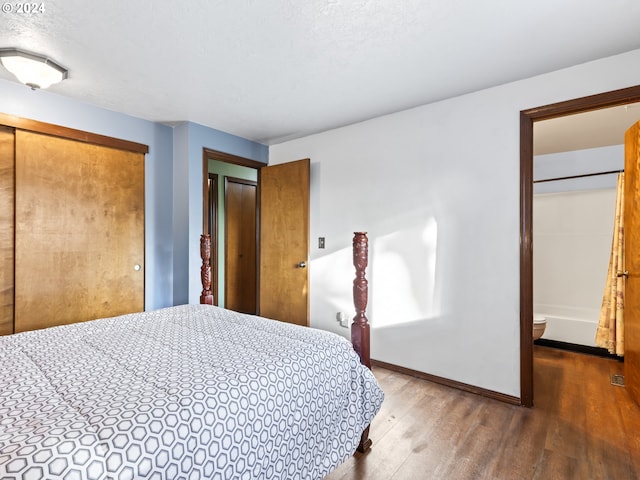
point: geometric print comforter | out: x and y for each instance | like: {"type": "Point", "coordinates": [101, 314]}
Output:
{"type": "Point", "coordinates": [187, 392]}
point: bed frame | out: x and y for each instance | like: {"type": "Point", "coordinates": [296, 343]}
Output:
{"type": "Point", "coordinates": [360, 325]}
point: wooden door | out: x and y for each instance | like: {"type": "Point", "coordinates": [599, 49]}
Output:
{"type": "Point", "coordinates": [79, 239]}
{"type": "Point", "coordinates": [7, 177]}
{"type": "Point", "coordinates": [240, 245]}
{"type": "Point", "coordinates": [284, 242]}
{"type": "Point", "coordinates": [632, 262]}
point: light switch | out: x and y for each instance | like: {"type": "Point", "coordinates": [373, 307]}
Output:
{"type": "Point", "coordinates": [320, 242]}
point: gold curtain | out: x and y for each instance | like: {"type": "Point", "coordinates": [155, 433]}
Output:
{"type": "Point", "coordinates": [610, 333]}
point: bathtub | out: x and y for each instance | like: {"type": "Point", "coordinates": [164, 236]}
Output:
{"type": "Point", "coordinates": [570, 325]}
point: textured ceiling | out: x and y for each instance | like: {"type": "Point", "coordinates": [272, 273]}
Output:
{"type": "Point", "coordinates": [279, 69]}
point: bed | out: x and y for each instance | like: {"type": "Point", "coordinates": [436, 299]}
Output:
{"type": "Point", "coordinates": [192, 391]}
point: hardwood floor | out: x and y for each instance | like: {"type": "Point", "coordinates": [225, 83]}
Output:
{"type": "Point", "coordinates": [581, 427]}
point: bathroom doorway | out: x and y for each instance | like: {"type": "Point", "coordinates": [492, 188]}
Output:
{"type": "Point", "coordinates": [577, 160]}
{"type": "Point", "coordinates": [527, 119]}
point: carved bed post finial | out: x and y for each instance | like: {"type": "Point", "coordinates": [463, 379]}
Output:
{"type": "Point", "coordinates": [206, 296]}
{"type": "Point", "coordinates": [360, 326]}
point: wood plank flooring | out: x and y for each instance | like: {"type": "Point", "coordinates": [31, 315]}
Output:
{"type": "Point", "coordinates": [581, 427]}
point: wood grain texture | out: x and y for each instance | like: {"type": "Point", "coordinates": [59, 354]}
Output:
{"type": "Point", "coordinates": [632, 261]}
{"type": "Point", "coordinates": [7, 204]}
{"type": "Point", "coordinates": [26, 124]}
{"type": "Point", "coordinates": [79, 231]}
{"type": "Point", "coordinates": [284, 242]}
{"type": "Point", "coordinates": [429, 431]}
{"type": "Point", "coordinates": [240, 290]}
{"type": "Point", "coordinates": [360, 336]}
{"type": "Point", "coordinates": [526, 260]}
{"type": "Point", "coordinates": [360, 331]}
{"type": "Point", "coordinates": [210, 154]}
{"type": "Point", "coordinates": [206, 297]}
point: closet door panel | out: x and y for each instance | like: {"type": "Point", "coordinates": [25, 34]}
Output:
{"type": "Point", "coordinates": [7, 178]}
{"type": "Point", "coordinates": [79, 231]}
{"type": "Point", "coordinates": [240, 245]}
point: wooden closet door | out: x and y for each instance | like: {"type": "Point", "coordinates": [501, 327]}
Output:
{"type": "Point", "coordinates": [7, 162]}
{"type": "Point", "coordinates": [79, 249]}
{"type": "Point", "coordinates": [240, 245]}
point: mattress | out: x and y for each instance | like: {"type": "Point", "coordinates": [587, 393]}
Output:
{"type": "Point", "coordinates": [193, 392]}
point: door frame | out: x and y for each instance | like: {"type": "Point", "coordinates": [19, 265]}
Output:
{"type": "Point", "coordinates": [212, 223]}
{"type": "Point", "coordinates": [527, 119]}
{"type": "Point", "coordinates": [209, 224]}
{"type": "Point", "coordinates": [211, 154]}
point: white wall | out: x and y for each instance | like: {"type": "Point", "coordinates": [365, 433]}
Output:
{"type": "Point", "coordinates": [437, 189]}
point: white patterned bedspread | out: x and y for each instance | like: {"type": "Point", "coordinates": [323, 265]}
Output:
{"type": "Point", "coordinates": [189, 392]}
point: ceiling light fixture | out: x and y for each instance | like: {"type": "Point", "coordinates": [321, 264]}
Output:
{"type": "Point", "coordinates": [35, 71]}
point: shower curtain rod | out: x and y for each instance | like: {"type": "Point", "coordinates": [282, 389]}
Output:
{"type": "Point", "coordinates": [578, 176]}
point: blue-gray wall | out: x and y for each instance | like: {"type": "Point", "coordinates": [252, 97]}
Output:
{"type": "Point", "coordinates": [173, 181]}
{"type": "Point", "coordinates": [189, 140]}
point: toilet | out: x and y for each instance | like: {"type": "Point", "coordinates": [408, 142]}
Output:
{"type": "Point", "coordinates": [539, 324]}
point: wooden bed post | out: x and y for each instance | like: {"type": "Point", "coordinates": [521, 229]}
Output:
{"type": "Point", "coordinates": [360, 325]}
{"type": "Point", "coordinates": [206, 296]}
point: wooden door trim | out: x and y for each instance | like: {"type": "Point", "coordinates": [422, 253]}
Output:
{"type": "Point", "coordinates": [71, 134]}
{"type": "Point", "coordinates": [258, 239]}
{"type": "Point", "coordinates": [211, 154]}
{"type": "Point", "coordinates": [243, 181]}
{"type": "Point", "coordinates": [212, 222]}
{"type": "Point", "coordinates": [527, 119]}
{"type": "Point", "coordinates": [230, 158]}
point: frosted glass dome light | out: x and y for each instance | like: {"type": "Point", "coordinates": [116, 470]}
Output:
{"type": "Point", "coordinates": [35, 71]}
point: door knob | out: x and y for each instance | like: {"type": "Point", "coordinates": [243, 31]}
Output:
{"type": "Point", "coordinates": [302, 265]}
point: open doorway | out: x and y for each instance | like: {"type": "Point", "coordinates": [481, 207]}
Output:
{"type": "Point", "coordinates": [577, 161]}
{"type": "Point", "coordinates": [230, 217]}
{"type": "Point", "coordinates": [282, 235]}
{"type": "Point", "coordinates": [527, 120]}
